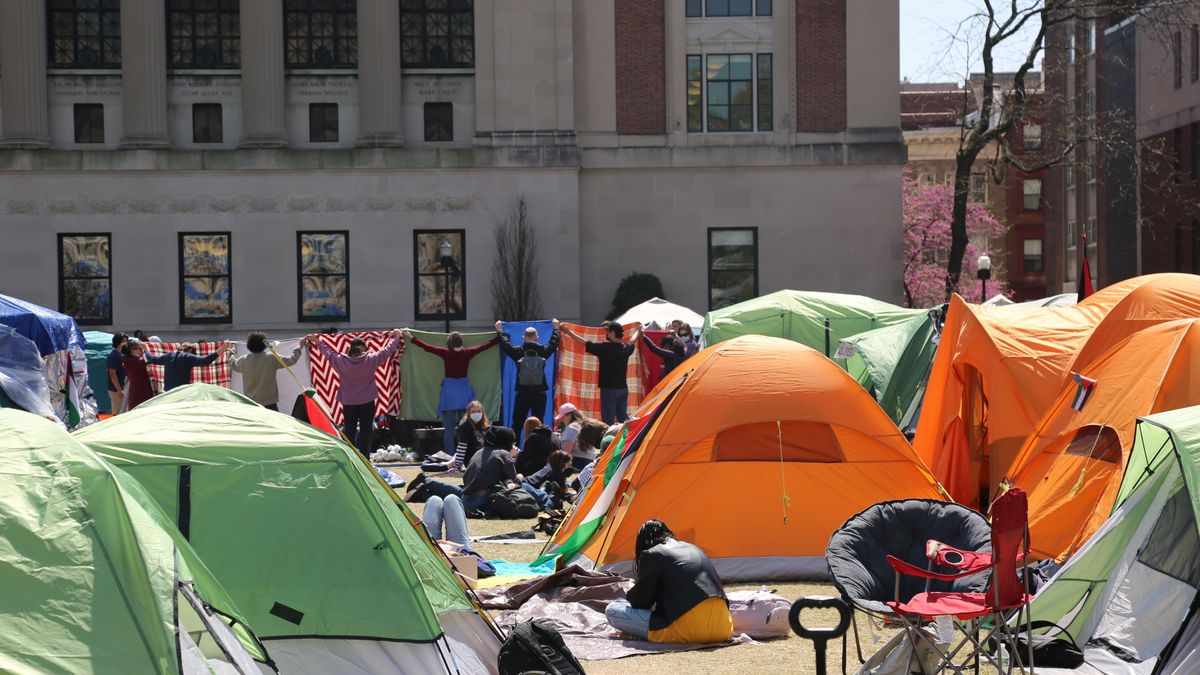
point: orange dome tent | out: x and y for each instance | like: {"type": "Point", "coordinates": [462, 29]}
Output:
{"type": "Point", "coordinates": [998, 369]}
{"type": "Point", "coordinates": [756, 451]}
{"type": "Point", "coordinates": [1073, 462]}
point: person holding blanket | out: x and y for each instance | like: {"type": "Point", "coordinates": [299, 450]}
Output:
{"type": "Point", "coordinates": [457, 392]}
{"type": "Point", "coordinates": [357, 390]}
{"type": "Point", "coordinates": [531, 359]}
{"type": "Point", "coordinates": [613, 355]}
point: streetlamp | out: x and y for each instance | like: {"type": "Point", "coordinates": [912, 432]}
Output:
{"type": "Point", "coordinates": [984, 267]}
{"type": "Point", "coordinates": [447, 252]}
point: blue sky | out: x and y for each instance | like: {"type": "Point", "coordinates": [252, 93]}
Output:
{"type": "Point", "coordinates": [927, 51]}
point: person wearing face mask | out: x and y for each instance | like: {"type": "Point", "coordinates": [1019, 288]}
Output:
{"type": "Point", "coordinates": [133, 360]}
{"type": "Point", "coordinates": [469, 435]}
{"type": "Point", "coordinates": [456, 387]}
{"type": "Point", "coordinates": [357, 391]}
{"type": "Point", "coordinates": [688, 338]}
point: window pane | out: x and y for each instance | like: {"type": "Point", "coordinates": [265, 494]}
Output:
{"type": "Point", "coordinates": [718, 118]}
{"type": "Point", "coordinates": [741, 7]}
{"type": "Point", "coordinates": [324, 276]}
{"type": "Point", "coordinates": [84, 34]}
{"type": "Point", "coordinates": [207, 123]}
{"type": "Point", "coordinates": [740, 93]}
{"type": "Point", "coordinates": [437, 33]}
{"type": "Point", "coordinates": [718, 68]}
{"type": "Point", "coordinates": [89, 123]}
{"type": "Point", "coordinates": [204, 34]}
{"type": "Point", "coordinates": [693, 66]}
{"type": "Point", "coordinates": [764, 8]}
{"type": "Point", "coordinates": [765, 102]}
{"type": "Point", "coordinates": [323, 122]}
{"type": "Point", "coordinates": [739, 67]}
{"type": "Point", "coordinates": [730, 287]}
{"type": "Point", "coordinates": [204, 268]}
{"type": "Point", "coordinates": [718, 93]}
{"type": "Point", "coordinates": [1032, 255]}
{"type": "Point", "coordinates": [430, 275]}
{"type": "Point", "coordinates": [717, 8]}
{"type": "Point", "coordinates": [320, 34]}
{"type": "Point", "coordinates": [741, 118]}
{"type": "Point", "coordinates": [439, 122]}
{"type": "Point", "coordinates": [693, 7]}
{"type": "Point", "coordinates": [1033, 136]}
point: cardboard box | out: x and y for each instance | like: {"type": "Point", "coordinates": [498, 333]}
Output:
{"type": "Point", "coordinates": [466, 566]}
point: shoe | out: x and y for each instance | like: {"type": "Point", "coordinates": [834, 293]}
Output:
{"type": "Point", "coordinates": [418, 481]}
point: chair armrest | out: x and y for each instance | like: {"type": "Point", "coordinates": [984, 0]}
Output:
{"type": "Point", "coordinates": [955, 558]}
{"type": "Point", "coordinates": [914, 571]}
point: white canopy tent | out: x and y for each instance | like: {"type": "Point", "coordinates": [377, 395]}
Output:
{"type": "Point", "coordinates": [660, 312]}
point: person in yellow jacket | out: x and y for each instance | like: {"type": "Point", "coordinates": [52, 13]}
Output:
{"type": "Point", "coordinates": [677, 598]}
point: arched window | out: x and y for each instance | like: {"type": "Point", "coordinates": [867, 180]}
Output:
{"type": "Point", "coordinates": [320, 33]}
{"type": "Point", "coordinates": [437, 33]}
{"type": "Point", "coordinates": [203, 34]}
{"type": "Point", "coordinates": [84, 33]}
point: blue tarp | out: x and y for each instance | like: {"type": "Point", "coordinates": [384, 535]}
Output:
{"type": "Point", "coordinates": [515, 331]}
{"type": "Point", "coordinates": [99, 344]}
{"type": "Point", "coordinates": [22, 379]}
{"type": "Point", "coordinates": [51, 331]}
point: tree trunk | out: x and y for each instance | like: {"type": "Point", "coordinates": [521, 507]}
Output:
{"type": "Point", "coordinates": [965, 160]}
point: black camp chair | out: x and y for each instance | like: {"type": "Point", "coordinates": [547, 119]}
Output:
{"type": "Point", "coordinates": [858, 550]}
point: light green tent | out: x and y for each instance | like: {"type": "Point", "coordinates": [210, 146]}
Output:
{"type": "Point", "coordinates": [896, 360]}
{"type": "Point", "coordinates": [421, 375]}
{"type": "Point", "coordinates": [95, 577]}
{"type": "Point", "coordinates": [817, 320]}
{"type": "Point", "coordinates": [199, 392]}
{"type": "Point", "coordinates": [331, 572]}
{"type": "Point", "coordinates": [1130, 594]}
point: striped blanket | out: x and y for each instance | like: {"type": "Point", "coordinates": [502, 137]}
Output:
{"type": "Point", "coordinates": [387, 377]}
{"type": "Point", "coordinates": [575, 381]}
{"type": "Point", "coordinates": [216, 373]}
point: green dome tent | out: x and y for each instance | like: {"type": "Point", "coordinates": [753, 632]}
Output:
{"type": "Point", "coordinates": [331, 571]}
{"type": "Point", "coordinates": [896, 359]}
{"type": "Point", "coordinates": [97, 346]}
{"type": "Point", "coordinates": [96, 578]}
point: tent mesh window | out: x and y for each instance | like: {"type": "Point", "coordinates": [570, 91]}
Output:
{"type": "Point", "coordinates": [773, 442]}
{"type": "Point", "coordinates": [1172, 545]}
{"type": "Point", "coordinates": [1097, 442]}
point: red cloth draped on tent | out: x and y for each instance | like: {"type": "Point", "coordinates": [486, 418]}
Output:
{"type": "Point", "coordinates": [387, 377]}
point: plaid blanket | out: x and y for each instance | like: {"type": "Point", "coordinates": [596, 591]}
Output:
{"type": "Point", "coordinates": [216, 373]}
{"type": "Point", "coordinates": [575, 381]}
{"type": "Point", "coordinates": [387, 377]}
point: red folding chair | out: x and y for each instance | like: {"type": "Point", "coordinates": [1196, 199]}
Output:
{"type": "Point", "coordinates": [994, 617]}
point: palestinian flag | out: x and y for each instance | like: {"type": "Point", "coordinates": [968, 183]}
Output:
{"type": "Point", "coordinates": [73, 396]}
{"type": "Point", "coordinates": [610, 470]}
{"type": "Point", "coordinates": [315, 415]}
{"type": "Point", "coordinates": [1083, 391]}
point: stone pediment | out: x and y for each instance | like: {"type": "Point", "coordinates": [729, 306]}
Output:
{"type": "Point", "coordinates": [729, 35]}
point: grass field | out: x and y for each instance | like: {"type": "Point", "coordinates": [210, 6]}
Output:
{"type": "Point", "coordinates": [786, 655]}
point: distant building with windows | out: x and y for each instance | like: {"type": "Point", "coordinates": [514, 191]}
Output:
{"type": "Point", "coordinates": [282, 164]}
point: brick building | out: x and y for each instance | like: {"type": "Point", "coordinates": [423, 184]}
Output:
{"type": "Point", "coordinates": [279, 163]}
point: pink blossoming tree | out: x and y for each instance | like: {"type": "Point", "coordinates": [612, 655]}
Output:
{"type": "Point", "coordinates": [928, 211]}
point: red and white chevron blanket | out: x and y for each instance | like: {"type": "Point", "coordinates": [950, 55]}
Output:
{"type": "Point", "coordinates": [216, 373]}
{"type": "Point", "coordinates": [387, 377]}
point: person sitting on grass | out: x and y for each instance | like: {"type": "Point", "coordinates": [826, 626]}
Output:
{"type": "Point", "coordinates": [490, 470]}
{"type": "Point", "coordinates": [549, 484]}
{"type": "Point", "coordinates": [677, 598]}
{"type": "Point", "coordinates": [540, 441]}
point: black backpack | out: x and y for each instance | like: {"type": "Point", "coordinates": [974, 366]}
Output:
{"type": "Point", "coordinates": [531, 370]}
{"type": "Point", "coordinates": [514, 503]}
{"type": "Point", "coordinates": [536, 647]}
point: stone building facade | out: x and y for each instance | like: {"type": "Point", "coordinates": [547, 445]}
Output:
{"type": "Point", "coordinates": [289, 164]}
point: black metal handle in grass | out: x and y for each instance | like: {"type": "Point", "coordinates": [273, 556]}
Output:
{"type": "Point", "coordinates": [820, 636]}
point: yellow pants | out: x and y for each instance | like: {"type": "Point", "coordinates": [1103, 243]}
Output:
{"type": "Point", "coordinates": [706, 623]}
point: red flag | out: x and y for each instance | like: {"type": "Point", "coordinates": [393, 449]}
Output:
{"type": "Point", "coordinates": [317, 415]}
{"type": "Point", "coordinates": [1085, 276]}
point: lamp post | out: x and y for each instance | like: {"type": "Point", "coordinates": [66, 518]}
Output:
{"type": "Point", "coordinates": [447, 252]}
{"type": "Point", "coordinates": [984, 267]}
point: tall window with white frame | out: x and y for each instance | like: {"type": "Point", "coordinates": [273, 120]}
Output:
{"type": "Point", "coordinates": [729, 92]}
{"type": "Point", "coordinates": [1031, 194]}
{"type": "Point", "coordinates": [84, 33]}
{"type": "Point", "coordinates": [732, 265]}
{"type": "Point", "coordinates": [1032, 261]}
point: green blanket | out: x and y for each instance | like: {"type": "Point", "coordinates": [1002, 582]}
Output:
{"type": "Point", "coordinates": [421, 375]}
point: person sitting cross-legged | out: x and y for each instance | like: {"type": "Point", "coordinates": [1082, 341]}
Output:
{"type": "Point", "coordinates": [677, 598]}
{"type": "Point", "coordinates": [548, 485]}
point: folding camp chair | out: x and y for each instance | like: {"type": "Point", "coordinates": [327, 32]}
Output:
{"type": "Point", "coordinates": [857, 553]}
{"type": "Point", "coordinates": [993, 617]}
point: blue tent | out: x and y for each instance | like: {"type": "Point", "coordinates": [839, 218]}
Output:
{"type": "Point", "coordinates": [51, 331]}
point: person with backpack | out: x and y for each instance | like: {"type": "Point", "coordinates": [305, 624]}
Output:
{"type": "Point", "coordinates": [491, 470]}
{"type": "Point", "coordinates": [677, 598]}
{"type": "Point", "coordinates": [531, 358]}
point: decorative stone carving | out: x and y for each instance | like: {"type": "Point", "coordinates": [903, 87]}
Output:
{"type": "Point", "coordinates": [229, 205]}
{"type": "Point", "coordinates": [63, 206]}
{"type": "Point", "coordinates": [420, 203]}
{"type": "Point", "coordinates": [337, 205]}
{"type": "Point", "coordinates": [262, 204]}
{"type": "Point", "coordinates": [302, 205]}
{"type": "Point", "coordinates": [183, 205]}
{"type": "Point", "coordinates": [144, 205]}
{"type": "Point", "coordinates": [21, 206]}
{"type": "Point", "coordinates": [380, 203]}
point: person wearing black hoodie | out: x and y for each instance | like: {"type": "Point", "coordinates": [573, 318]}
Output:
{"type": "Point", "coordinates": [531, 377]}
{"type": "Point", "coordinates": [491, 469]}
{"type": "Point", "coordinates": [540, 441]}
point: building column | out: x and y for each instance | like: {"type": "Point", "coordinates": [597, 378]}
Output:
{"type": "Point", "coordinates": [144, 74]}
{"type": "Point", "coordinates": [380, 123]}
{"type": "Point", "coordinates": [783, 26]}
{"type": "Point", "coordinates": [263, 83]}
{"type": "Point", "coordinates": [23, 86]}
{"type": "Point", "coordinates": [676, 75]}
